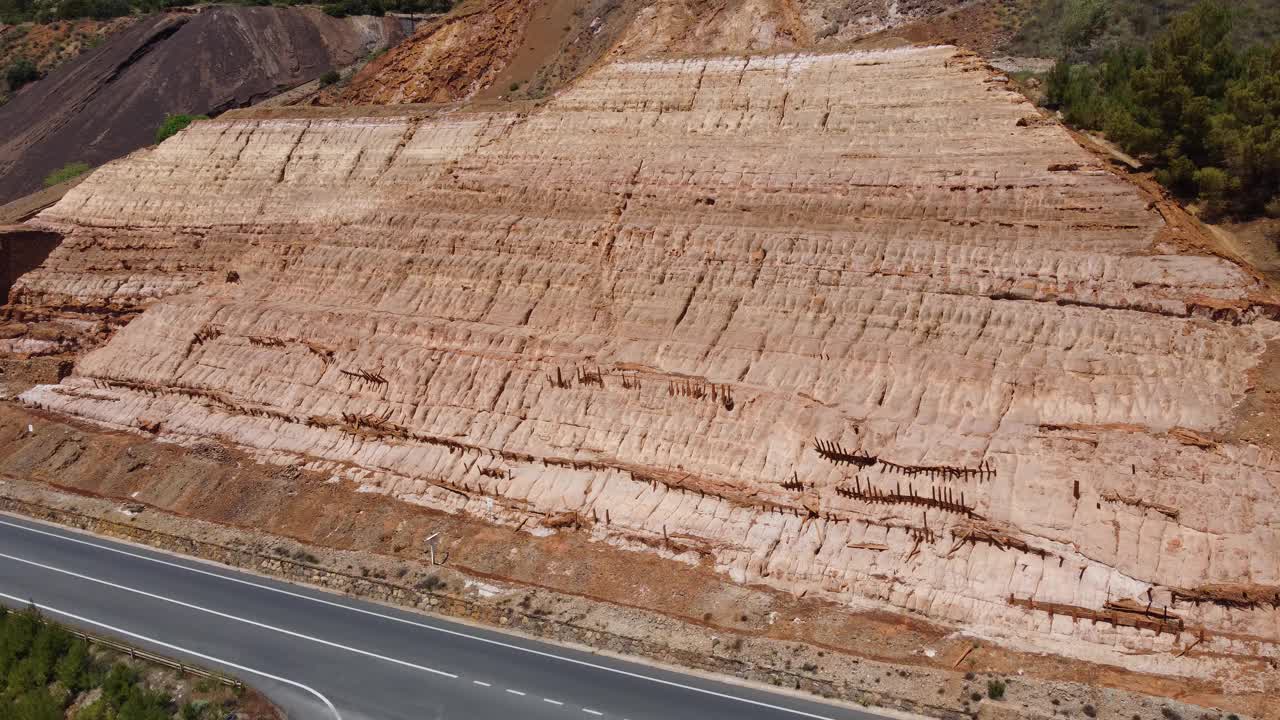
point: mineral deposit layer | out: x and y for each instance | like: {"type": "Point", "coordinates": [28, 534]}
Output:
{"type": "Point", "coordinates": [634, 310]}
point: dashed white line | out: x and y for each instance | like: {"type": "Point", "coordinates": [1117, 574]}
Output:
{"type": "Point", "coordinates": [423, 625]}
{"type": "Point", "coordinates": [515, 692]}
{"type": "Point", "coordinates": [481, 684]}
{"type": "Point", "coordinates": [228, 616]}
{"type": "Point", "coordinates": [592, 712]}
{"type": "Point", "coordinates": [553, 702]}
{"type": "Point", "coordinates": [207, 658]}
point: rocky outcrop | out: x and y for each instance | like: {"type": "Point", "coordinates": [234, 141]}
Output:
{"type": "Point", "coordinates": [110, 100]}
{"type": "Point", "coordinates": [842, 324]}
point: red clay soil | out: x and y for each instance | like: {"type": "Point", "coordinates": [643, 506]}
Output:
{"type": "Point", "coordinates": [109, 101]}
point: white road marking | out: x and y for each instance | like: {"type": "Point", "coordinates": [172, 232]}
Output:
{"type": "Point", "coordinates": [593, 712]}
{"type": "Point", "coordinates": [23, 602]}
{"type": "Point", "coordinates": [229, 616]}
{"type": "Point", "coordinates": [426, 626]}
{"type": "Point", "coordinates": [515, 692]}
{"type": "Point", "coordinates": [553, 702]}
{"type": "Point", "coordinates": [481, 684]}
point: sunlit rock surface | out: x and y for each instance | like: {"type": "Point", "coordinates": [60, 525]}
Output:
{"type": "Point", "coordinates": [636, 310]}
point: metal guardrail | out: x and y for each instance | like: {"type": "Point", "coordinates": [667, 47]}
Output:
{"type": "Point", "coordinates": [140, 654]}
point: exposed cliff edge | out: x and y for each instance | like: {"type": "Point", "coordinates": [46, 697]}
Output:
{"type": "Point", "coordinates": [109, 101]}
{"type": "Point", "coordinates": [854, 325]}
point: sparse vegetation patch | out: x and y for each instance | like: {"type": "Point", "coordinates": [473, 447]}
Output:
{"type": "Point", "coordinates": [66, 172]}
{"type": "Point", "coordinates": [174, 124]}
{"type": "Point", "coordinates": [20, 72]}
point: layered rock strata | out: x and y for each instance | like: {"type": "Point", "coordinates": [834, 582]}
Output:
{"type": "Point", "coordinates": [857, 325]}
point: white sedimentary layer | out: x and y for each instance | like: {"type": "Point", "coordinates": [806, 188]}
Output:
{"type": "Point", "coordinates": [866, 249]}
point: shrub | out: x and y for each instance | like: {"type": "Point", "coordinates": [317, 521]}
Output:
{"type": "Point", "coordinates": [119, 684]}
{"type": "Point", "coordinates": [73, 668]}
{"type": "Point", "coordinates": [300, 555]}
{"type": "Point", "coordinates": [1216, 188]}
{"type": "Point", "coordinates": [174, 124]}
{"type": "Point", "coordinates": [995, 689]}
{"type": "Point", "coordinates": [20, 72]}
{"type": "Point", "coordinates": [37, 705]}
{"type": "Point", "coordinates": [99, 710]}
{"type": "Point", "coordinates": [329, 78]}
{"type": "Point", "coordinates": [65, 173]}
{"type": "Point", "coordinates": [430, 583]}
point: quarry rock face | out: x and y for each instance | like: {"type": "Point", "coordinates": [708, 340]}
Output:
{"type": "Point", "coordinates": [859, 326]}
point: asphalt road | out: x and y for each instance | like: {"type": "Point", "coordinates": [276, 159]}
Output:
{"type": "Point", "coordinates": [321, 655]}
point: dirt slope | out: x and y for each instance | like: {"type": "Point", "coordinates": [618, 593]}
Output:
{"type": "Point", "coordinates": [447, 59]}
{"type": "Point", "coordinates": [109, 101]}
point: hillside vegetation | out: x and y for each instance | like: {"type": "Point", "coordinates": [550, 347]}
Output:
{"type": "Point", "coordinates": [28, 51]}
{"type": "Point", "coordinates": [1197, 95]}
{"type": "Point", "coordinates": [1084, 30]}
{"type": "Point", "coordinates": [50, 674]}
